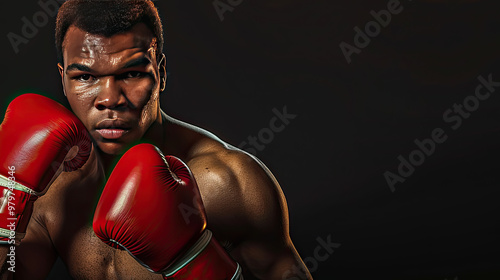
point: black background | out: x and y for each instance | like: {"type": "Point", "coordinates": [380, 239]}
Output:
{"type": "Point", "coordinates": [353, 120]}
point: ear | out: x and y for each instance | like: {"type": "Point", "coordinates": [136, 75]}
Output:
{"type": "Point", "coordinates": [162, 67]}
{"type": "Point", "coordinates": [61, 72]}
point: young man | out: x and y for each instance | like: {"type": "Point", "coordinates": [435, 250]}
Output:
{"type": "Point", "coordinates": [113, 71]}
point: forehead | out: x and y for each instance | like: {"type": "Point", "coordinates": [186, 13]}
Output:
{"type": "Point", "coordinates": [81, 44]}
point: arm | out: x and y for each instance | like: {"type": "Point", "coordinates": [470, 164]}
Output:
{"type": "Point", "coordinates": [39, 139]}
{"type": "Point", "coordinates": [265, 250]}
{"type": "Point", "coordinates": [269, 252]}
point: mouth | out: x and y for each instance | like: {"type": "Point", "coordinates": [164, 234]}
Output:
{"type": "Point", "coordinates": [112, 128]}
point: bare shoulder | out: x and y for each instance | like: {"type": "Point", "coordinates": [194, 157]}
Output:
{"type": "Point", "coordinates": [238, 190]}
{"type": "Point", "coordinates": [246, 208]}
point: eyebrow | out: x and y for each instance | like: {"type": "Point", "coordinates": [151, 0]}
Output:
{"type": "Point", "coordinates": [79, 67]}
{"type": "Point", "coordinates": [142, 61]}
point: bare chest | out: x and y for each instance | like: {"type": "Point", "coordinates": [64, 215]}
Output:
{"type": "Point", "coordinates": [87, 257]}
{"type": "Point", "coordinates": [69, 217]}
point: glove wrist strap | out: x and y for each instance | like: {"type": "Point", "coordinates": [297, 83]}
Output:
{"type": "Point", "coordinates": [192, 253]}
{"type": "Point", "coordinates": [14, 199]}
{"type": "Point", "coordinates": [203, 242]}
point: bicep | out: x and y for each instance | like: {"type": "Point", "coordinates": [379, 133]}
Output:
{"type": "Point", "coordinates": [36, 255]}
{"type": "Point", "coordinates": [267, 250]}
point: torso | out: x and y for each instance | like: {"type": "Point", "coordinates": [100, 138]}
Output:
{"type": "Point", "coordinates": [68, 207]}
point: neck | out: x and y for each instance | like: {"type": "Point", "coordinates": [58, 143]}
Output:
{"type": "Point", "coordinates": [108, 162]}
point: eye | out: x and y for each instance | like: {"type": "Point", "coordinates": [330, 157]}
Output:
{"type": "Point", "coordinates": [84, 77]}
{"type": "Point", "coordinates": [134, 74]}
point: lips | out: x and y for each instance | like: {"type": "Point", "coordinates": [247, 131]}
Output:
{"type": "Point", "coordinates": [112, 128]}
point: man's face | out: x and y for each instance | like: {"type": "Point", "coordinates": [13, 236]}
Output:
{"type": "Point", "coordinates": [113, 84]}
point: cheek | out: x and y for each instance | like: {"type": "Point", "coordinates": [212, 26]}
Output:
{"type": "Point", "coordinates": [81, 96]}
{"type": "Point", "coordinates": [79, 109]}
{"type": "Point", "coordinates": [144, 97]}
{"type": "Point", "coordinates": [81, 105]}
{"type": "Point", "coordinates": [140, 92]}
{"type": "Point", "coordinates": [149, 113]}
{"type": "Point", "coordinates": [84, 94]}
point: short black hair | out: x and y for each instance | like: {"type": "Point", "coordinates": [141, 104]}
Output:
{"type": "Point", "coordinates": [107, 18]}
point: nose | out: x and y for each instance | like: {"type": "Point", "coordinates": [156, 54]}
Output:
{"type": "Point", "coordinates": [110, 95]}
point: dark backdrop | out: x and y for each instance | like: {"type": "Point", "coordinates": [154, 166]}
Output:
{"type": "Point", "coordinates": [352, 120]}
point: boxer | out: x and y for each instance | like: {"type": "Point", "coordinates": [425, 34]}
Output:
{"type": "Point", "coordinates": [113, 70]}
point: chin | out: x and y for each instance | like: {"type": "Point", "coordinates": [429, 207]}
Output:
{"type": "Point", "coordinates": [112, 149]}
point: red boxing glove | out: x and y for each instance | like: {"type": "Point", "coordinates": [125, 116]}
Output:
{"type": "Point", "coordinates": [39, 138]}
{"type": "Point", "coordinates": [142, 210]}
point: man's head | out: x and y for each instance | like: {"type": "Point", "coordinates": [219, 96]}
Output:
{"type": "Point", "coordinates": [107, 17]}
{"type": "Point", "coordinates": [112, 68]}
